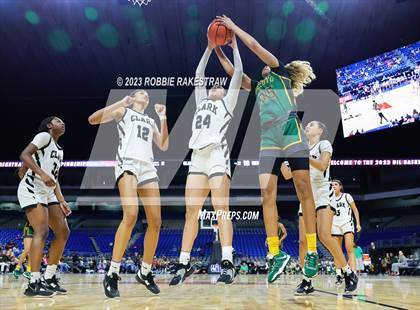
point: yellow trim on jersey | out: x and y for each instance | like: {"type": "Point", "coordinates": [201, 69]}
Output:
{"type": "Point", "coordinates": [287, 92]}
{"type": "Point", "coordinates": [286, 89]}
{"type": "Point", "coordinates": [300, 136]}
{"type": "Point", "coordinates": [280, 75]}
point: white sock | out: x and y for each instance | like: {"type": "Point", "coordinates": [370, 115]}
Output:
{"type": "Point", "coordinates": [227, 253]}
{"type": "Point", "coordinates": [145, 268]}
{"type": "Point", "coordinates": [184, 258]}
{"type": "Point", "coordinates": [114, 268]}
{"type": "Point", "coordinates": [35, 276]}
{"type": "Point", "coordinates": [338, 272]}
{"type": "Point", "coordinates": [50, 271]}
{"type": "Point", "coordinates": [347, 269]}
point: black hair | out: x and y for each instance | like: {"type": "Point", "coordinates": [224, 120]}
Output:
{"type": "Point", "coordinates": [43, 127]}
{"type": "Point", "coordinates": [341, 184]}
{"type": "Point", "coordinates": [324, 135]}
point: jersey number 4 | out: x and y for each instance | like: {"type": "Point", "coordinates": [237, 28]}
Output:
{"type": "Point", "coordinates": [200, 123]}
{"type": "Point", "coordinates": [143, 132]}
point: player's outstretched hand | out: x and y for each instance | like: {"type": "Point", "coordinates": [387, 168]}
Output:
{"type": "Point", "coordinates": [358, 228]}
{"type": "Point", "coordinates": [226, 21]}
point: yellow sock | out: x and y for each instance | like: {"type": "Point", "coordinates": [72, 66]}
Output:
{"type": "Point", "coordinates": [17, 268]}
{"type": "Point", "coordinates": [311, 239]}
{"type": "Point", "coordinates": [273, 245]}
{"type": "Point", "coordinates": [28, 269]}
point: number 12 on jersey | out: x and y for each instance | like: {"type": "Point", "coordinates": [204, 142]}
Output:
{"type": "Point", "coordinates": [143, 132]}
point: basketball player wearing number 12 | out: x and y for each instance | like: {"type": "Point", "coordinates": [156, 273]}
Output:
{"type": "Point", "coordinates": [135, 175]}
{"type": "Point", "coordinates": [281, 139]}
{"type": "Point", "coordinates": [210, 166]}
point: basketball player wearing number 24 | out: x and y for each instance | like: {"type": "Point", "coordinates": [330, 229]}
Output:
{"type": "Point", "coordinates": [281, 139]}
{"type": "Point", "coordinates": [135, 175]}
{"type": "Point", "coordinates": [210, 166]}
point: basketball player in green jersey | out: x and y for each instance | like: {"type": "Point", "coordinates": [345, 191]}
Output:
{"type": "Point", "coordinates": [281, 139]}
{"type": "Point", "coordinates": [27, 235]}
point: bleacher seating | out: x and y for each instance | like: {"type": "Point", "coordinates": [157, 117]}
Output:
{"type": "Point", "coordinates": [248, 242]}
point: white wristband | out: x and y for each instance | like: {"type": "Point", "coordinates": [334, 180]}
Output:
{"type": "Point", "coordinates": [162, 118]}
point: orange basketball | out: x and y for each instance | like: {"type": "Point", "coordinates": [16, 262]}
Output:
{"type": "Point", "coordinates": [219, 34]}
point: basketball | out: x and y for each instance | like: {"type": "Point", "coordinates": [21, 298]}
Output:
{"type": "Point", "coordinates": [219, 34]}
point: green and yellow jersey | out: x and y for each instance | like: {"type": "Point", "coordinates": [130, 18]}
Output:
{"type": "Point", "coordinates": [280, 125]}
{"type": "Point", "coordinates": [274, 96]}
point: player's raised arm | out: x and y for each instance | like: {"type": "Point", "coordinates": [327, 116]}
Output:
{"type": "Point", "coordinates": [236, 81]}
{"type": "Point", "coordinates": [113, 112]}
{"type": "Point", "coordinates": [161, 138]}
{"type": "Point", "coordinates": [229, 69]}
{"type": "Point", "coordinates": [200, 89]}
{"type": "Point", "coordinates": [268, 58]}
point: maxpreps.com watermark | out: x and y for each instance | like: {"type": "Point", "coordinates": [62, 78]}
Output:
{"type": "Point", "coordinates": [170, 81]}
{"type": "Point", "coordinates": [229, 215]}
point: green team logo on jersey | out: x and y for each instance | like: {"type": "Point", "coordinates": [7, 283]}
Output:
{"type": "Point", "coordinates": [274, 97]}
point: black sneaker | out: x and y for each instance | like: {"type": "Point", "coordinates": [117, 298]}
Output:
{"type": "Point", "coordinates": [38, 289]}
{"type": "Point", "coordinates": [351, 282]}
{"type": "Point", "coordinates": [339, 280]}
{"type": "Point", "coordinates": [181, 273]}
{"type": "Point", "coordinates": [304, 288]}
{"type": "Point", "coordinates": [228, 272]}
{"type": "Point", "coordinates": [111, 286]}
{"type": "Point", "coordinates": [148, 282]}
{"type": "Point", "coordinates": [54, 285]}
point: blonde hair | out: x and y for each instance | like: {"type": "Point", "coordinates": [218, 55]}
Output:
{"type": "Point", "coordinates": [301, 74]}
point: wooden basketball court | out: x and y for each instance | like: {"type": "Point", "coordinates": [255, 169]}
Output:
{"type": "Point", "coordinates": [248, 292]}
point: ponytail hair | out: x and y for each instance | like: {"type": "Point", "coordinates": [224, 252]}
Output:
{"type": "Point", "coordinates": [301, 74]}
{"type": "Point", "coordinates": [324, 135]}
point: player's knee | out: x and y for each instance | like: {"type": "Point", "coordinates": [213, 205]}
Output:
{"type": "Point", "coordinates": [154, 223]}
{"type": "Point", "coordinates": [324, 236]}
{"type": "Point", "coordinates": [41, 232]}
{"type": "Point", "coordinates": [191, 214]}
{"type": "Point", "coordinates": [64, 233]}
{"type": "Point", "coordinates": [130, 219]}
{"type": "Point", "coordinates": [268, 195]}
{"type": "Point", "coordinates": [349, 249]}
{"type": "Point", "coordinates": [303, 188]}
{"type": "Point", "coordinates": [221, 210]}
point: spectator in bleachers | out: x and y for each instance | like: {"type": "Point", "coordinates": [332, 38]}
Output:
{"type": "Point", "coordinates": [5, 261]}
{"type": "Point", "coordinates": [243, 268]}
{"type": "Point", "coordinates": [402, 262]}
{"type": "Point", "coordinates": [358, 253]}
{"type": "Point", "coordinates": [374, 258]}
